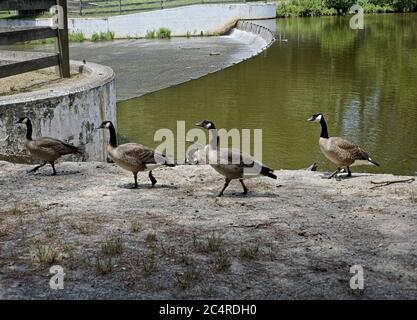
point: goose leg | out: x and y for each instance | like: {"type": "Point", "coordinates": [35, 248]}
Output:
{"type": "Point", "coordinates": [349, 174]}
{"type": "Point", "coordinates": [53, 167]}
{"type": "Point", "coordinates": [153, 180]}
{"type": "Point", "coordinates": [135, 176]}
{"type": "Point", "coordinates": [226, 183]}
{"type": "Point", "coordinates": [334, 173]}
{"type": "Point", "coordinates": [37, 167]}
{"type": "Point", "coordinates": [245, 190]}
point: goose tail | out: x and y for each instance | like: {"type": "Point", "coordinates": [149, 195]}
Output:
{"type": "Point", "coordinates": [373, 162]}
{"type": "Point", "coordinates": [73, 149]}
{"type": "Point", "coordinates": [268, 172]}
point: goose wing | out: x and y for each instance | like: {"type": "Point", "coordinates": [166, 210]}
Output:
{"type": "Point", "coordinates": [142, 154]}
{"type": "Point", "coordinates": [348, 149]}
{"type": "Point", "coordinates": [51, 145]}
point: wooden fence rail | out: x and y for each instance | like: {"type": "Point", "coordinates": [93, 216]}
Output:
{"type": "Point", "coordinates": [19, 35]}
{"type": "Point", "coordinates": [103, 7]}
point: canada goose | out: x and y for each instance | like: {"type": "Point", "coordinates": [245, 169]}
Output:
{"type": "Point", "coordinates": [340, 151]}
{"type": "Point", "coordinates": [133, 157]}
{"type": "Point", "coordinates": [248, 167]}
{"type": "Point", "coordinates": [45, 148]}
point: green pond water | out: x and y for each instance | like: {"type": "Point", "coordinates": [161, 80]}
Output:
{"type": "Point", "coordinates": [364, 82]}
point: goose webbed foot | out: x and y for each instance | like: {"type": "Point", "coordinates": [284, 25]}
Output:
{"type": "Point", "coordinates": [36, 168]}
{"type": "Point", "coordinates": [334, 174]}
{"type": "Point", "coordinates": [153, 180]}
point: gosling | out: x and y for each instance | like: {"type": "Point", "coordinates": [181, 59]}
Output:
{"type": "Point", "coordinates": [46, 149]}
{"type": "Point", "coordinates": [340, 151]}
{"type": "Point", "coordinates": [133, 157]}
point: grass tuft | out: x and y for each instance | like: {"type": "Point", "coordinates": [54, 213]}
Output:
{"type": "Point", "coordinates": [112, 246]}
{"type": "Point", "coordinates": [46, 255]}
{"type": "Point", "coordinates": [249, 252]}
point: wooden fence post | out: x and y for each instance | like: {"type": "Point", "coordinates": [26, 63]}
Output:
{"type": "Point", "coordinates": [64, 65]}
{"type": "Point", "coordinates": [81, 7]}
{"type": "Point", "coordinates": [120, 6]}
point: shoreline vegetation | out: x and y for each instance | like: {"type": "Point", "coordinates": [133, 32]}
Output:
{"type": "Point", "coordinates": [314, 8]}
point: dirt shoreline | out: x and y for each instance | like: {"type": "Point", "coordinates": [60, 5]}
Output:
{"type": "Point", "coordinates": [291, 238]}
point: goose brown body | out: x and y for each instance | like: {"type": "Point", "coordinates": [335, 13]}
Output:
{"type": "Point", "coordinates": [45, 148]}
{"type": "Point", "coordinates": [133, 157]}
{"type": "Point", "coordinates": [231, 163]}
{"type": "Point", "coordinates": [340, 151]}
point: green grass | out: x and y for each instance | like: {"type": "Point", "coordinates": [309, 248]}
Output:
{"type": "Point", "coordinates": [163, 33]}
{"type": "Point", "coordinates": [102, 36]}
{"type": "Point", "coordinates": [76, 37]}
{"type": "Point", "coordinates": [112, 246]}
{"type": "Point", "coordinates": [150, 34]}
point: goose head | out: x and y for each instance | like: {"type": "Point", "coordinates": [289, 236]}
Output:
{"type": "Point", "coordinates": [206, 124]}
{"type": "Point", "coordinates": [105, 124]}
{"type": "Point", "coordinates": [24, 120]}
{"type": "Point", "coordinates": [315, 117]}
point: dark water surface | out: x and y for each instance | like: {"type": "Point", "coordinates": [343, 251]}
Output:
{"type": "Point", "coordinates": [364, 82]}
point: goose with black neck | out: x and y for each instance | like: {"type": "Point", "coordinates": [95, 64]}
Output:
{"type": "Point", "coordinates": [340, 151]}
{"type": "Point", "coordinates": [45, 148]}
{"type": "Point", "coordinates": [134, 157]}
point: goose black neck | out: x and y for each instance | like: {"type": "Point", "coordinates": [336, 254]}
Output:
{"type": "Point", "coordinates": [324, 133]}
{"type": "Point", "coordinates": [113, 137]}
{"type": "Point", "coordinates": [29, 130]}
{"type": "Point", "coordinates": [215, 140]}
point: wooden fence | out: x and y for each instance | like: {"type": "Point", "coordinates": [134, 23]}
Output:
{"type": "Point", "coordinates": [19, 35]}
{"type": "Point", "coordinates": [110, 7]}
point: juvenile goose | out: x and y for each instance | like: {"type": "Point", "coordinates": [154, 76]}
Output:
{"type": "Point", "coordinates": [45, 148]}
{"type": "Point", "coordinates": [133, 157]}
{"type": "Point", "coordinates": [340, 151]}
{"type": "Point", "coordinates": [248, 167]}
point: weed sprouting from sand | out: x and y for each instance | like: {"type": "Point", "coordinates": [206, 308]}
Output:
{"type": "Point", "coordinates": [186, 279]}
{"type": "Point", "coordinates": [213, 244]}
{"type": "Point", "coordinates": [151, 237]}
{"type": "Point", "coordinates": [83, 229]}
{"type": "Point", "coordinates": [104, 265]}
{"type": "Point", "coordinates": [46, 255]}
{"type": "Point", "coordinates": [221, 261]}
{"type": "Point", "coordinates": [112, 246]}
{"type": "Point", "coordinates": [250, 251]}
{"type": "Point", "coordinates": [148, 264]}
{"type": "Point", "coordinates": [135, 226]}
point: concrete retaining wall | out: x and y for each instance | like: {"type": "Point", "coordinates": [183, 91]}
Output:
{"type": "Point", "coordinates": [69, 113]}
{"type": "Point", "coordinates": [206, 19]}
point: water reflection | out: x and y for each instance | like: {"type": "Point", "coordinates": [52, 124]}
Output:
{"type": "Point", "coordinates": [364, 82]}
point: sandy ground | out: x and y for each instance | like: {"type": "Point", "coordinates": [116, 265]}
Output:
{"type": "Point", "coordinates": [35, 80]}
{"type": "Point", "coordinates": [291, 238]}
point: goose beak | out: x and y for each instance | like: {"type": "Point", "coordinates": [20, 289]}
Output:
{"type": "Point", "coordinates": [199, 124]}
{"type": "Point", "coordinates": [311, 119]}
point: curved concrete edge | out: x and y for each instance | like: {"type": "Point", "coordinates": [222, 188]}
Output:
{"type": "Point", "coordinates": [259, 31]}
{"type": "Point", "coordinates": [68, 111]}
{"type": "Point", "coordinates": [259, 37]}
{"type": "Point", "coordinates": [192, 20]}
{"type": "Point", "coordinates": [96, 76]}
